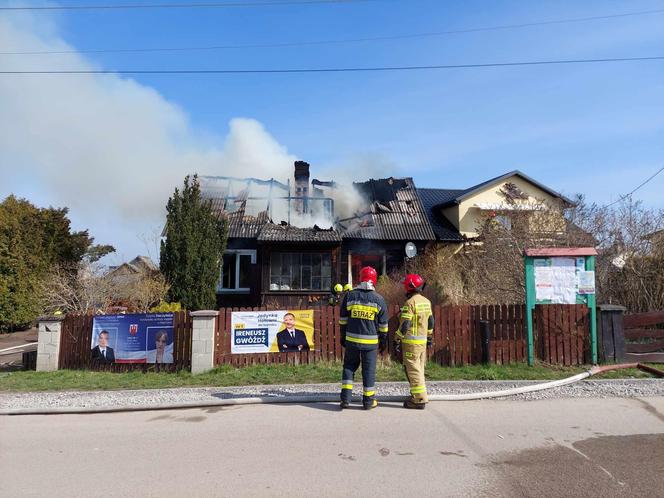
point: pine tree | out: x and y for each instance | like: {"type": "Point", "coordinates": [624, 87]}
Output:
{"type": "Point", "coordinates": [190, 257]}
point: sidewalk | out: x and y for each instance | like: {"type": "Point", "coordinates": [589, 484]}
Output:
{"type": "Point", "coordinates": [620, 388]}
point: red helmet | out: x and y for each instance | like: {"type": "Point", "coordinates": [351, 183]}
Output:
{"type": "Point", "coordinates": [368, 274]}
{"type": "Point", "coordinates": [413, 282]}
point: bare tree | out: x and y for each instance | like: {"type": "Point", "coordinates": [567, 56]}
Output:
{"type": "Point", "coordinates": [89, 288]}
{"type": "Point", "coordinates": [81, 289]}
{"type": "Point", "coordinates": [489, 269]}
{"type": "Point", "coordinates": [144, 291]}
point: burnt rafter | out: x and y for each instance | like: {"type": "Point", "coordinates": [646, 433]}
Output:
{"type": "Point", "coordinates": [395, 212]}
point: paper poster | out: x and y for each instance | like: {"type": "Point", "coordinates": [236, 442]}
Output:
{"type": "Point", "coordinates": [272, 331]}
{"type": "Point", "coordinates": [564, 280]}
{"type": "Point", "coordinates": [132, 338]}
{"type": "Point", "coordinates": [543, 280]}
{"type": "Point", "coordinates": [586, 282]}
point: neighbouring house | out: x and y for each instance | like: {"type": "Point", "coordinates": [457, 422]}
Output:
{"type": "Point", "coordinates": [656, 240]}
{"type": "Point", "coordinates": [131, 272]}
{"type": "Point", "coordinates": [287, 246]}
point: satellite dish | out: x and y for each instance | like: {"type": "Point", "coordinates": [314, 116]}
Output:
{"type": "Point", "coordinates": [411, 250]}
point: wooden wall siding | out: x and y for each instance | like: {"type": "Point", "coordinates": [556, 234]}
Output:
{"type": "Point", "coordinates": [644, 337]}
{"type": "Point", "coordinates": [76, 338]}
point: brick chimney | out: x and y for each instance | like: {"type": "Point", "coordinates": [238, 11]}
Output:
{"type": "Point", "coordinates": [301, 186]}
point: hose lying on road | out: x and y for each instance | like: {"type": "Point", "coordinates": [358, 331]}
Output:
{"type": "Point", "coordinates": [21, 348]}
{"type": "Point", "coordinates": [326, 398]}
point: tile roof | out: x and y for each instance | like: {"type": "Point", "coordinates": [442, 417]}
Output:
{"type": "Point", "coordinates": [395, 212]}
{"type": "Point", "coordinates": [442, 227]}
{"type": "Point", "coordinates": [462, 194]}
{"type": "Point", "coordinates": [240, 225]}
{"type": "Point", "coordinates": [287, 233]}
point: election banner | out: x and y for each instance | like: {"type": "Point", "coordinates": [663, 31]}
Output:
{"type": "Point", "coordinates": [133, 338]}
{"type": "Point", "coordinates": [272, 331]}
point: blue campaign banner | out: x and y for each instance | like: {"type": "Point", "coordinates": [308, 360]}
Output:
{"type": "Point", "coordinates": [133, 338]}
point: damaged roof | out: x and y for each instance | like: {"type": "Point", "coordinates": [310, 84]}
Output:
{"type": "Point", "coordinates": [395, 212]}
{"type": "Point", "coordinates": [288, 233]}
{"type": "Point", "coordinates": [432, 198]}
{"type": "Point", "coordinates": [240, 225]}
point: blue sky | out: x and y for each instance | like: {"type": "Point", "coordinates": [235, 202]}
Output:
{"type": "Point", "coordinates": [596, 129]}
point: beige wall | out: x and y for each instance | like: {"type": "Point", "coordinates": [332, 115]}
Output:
{"type": "Point", "coordinates": [467, 218]}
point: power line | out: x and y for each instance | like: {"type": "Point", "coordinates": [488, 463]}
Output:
{"type": "Point", "coordinates": [213, 5]}
{"type": "Point", "coordinates": [336, 69]}
{"type": "Point", "coordinates": [622, 198]}
{"type": "Point", "coordinates": [343, 40]}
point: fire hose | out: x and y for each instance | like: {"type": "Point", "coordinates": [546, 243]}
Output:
{"type": "Point", "coordinates": [332, 397]}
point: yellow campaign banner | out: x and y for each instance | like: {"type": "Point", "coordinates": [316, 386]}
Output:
{"type": "Point", "coordinates": [282, 331]}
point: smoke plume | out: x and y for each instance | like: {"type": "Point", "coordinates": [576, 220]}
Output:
{"type": "Point", "coordinates": [112, 149]}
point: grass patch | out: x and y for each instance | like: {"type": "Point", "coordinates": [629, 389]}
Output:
{"type": "Point", "coordinates": [324, 372]}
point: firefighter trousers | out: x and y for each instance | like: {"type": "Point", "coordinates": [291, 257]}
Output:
{"type": "Point", "coordinates": [353, 357]}
{"type": "Point", "coordinates": [414, 360]}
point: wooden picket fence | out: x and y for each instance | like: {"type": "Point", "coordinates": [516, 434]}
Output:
{"type": "Point", "coordinates": [644, 336]}
{"type": "Point", "coordinates": [561, 336]}
{"type": "Point", "coordinates": [562, 333]}
{"type": "Point", "coordinates": [76, 340]}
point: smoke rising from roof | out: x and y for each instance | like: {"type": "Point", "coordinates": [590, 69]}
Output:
{"type": "Point", "coordinates": [113, 149]}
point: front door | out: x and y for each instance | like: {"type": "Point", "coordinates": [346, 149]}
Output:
{"type": "Point", "coordinates": [359, 261]}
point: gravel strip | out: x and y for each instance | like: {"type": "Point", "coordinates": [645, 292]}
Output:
{"type": "Point", "coordinates": [621, 388]}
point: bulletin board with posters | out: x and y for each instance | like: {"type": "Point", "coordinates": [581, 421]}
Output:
{"type": "Point", "coordinates": [281, 331]}
{"type": "Point", "coordinates": [133, 338]}
{"type": "Point", "coordinates": [560, 276]}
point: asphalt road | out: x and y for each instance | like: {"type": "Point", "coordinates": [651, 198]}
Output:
{"type": "Point", "coordinates": [568, 447]}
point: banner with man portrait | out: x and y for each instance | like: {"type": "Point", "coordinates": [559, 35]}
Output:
{"type": "Point", "coordinates": [272, 331]}
{"type": "Point", "coordinates": [133, 338]}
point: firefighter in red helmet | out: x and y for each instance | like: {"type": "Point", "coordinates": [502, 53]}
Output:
{"type": "Point", "coordinates": [363, 325]}
{"type": "Point", "coordinates": [415, 333]}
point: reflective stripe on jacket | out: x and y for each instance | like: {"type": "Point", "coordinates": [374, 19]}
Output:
{"type": "Point", "coordinates": [415, 320]}
{"type": "Point", "coordinates": [362, 317]}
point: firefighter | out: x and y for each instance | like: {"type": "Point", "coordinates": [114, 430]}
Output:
{"type": "Point", "coordinates": [335, 295]}
{"type": "Point", "coordinates": [415, 333]}
{"type": "Point", "coordinates": [363, 325]}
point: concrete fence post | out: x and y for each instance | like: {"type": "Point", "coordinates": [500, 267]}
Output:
{"type": "Point", "coordinates": [202, 340]}
{"type": "Point", "coordinates": [48, 343]}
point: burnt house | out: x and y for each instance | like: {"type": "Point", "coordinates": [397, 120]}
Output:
{"type": "Point", "coordinates": [377, 237]}
{"type": "Point", "coordinates": [287, 248]}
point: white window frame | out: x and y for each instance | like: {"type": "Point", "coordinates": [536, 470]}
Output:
{"type": "Point", "coordinates": [238, 253]}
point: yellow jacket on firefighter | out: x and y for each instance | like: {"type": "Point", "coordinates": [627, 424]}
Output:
{"type": "Point", "coordinates": [416, 320]}
{"type": "Point", "coordinates": [415, 327]}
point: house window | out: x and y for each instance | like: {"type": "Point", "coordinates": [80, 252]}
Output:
{"type": "Point", "coordinates": [300, 271]}
{"type": "Point", "coordinates": [505, 221]}
{"type": "Point", "coordinates": [236, 271]}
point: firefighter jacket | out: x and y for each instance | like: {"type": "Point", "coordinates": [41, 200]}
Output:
{"type": "Point", "coordinates": [362, 317]}
{"type": "Point", "coordinates": [415, 320]}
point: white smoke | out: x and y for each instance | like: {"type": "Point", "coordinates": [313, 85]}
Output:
{"type": "Point", "coordinates": [113, 149]}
